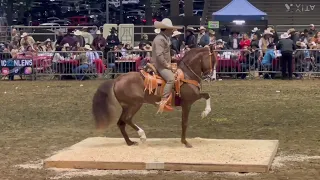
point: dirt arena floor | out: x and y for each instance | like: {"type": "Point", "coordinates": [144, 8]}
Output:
{"type": "Point", "coordinates": [40, 118]}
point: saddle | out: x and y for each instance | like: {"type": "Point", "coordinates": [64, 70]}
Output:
{"type": "Point", "coordinates": [154, 84]}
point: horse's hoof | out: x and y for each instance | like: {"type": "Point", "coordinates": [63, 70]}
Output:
{"type": "Point", "coordinates": [143, 140]}
{"type": "Point", "coordinates": [188, 145]}
{"type": "Point", "coordinates": [133, 143]}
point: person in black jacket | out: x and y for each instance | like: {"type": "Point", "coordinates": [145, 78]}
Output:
{"type": "Point", "coordinates": [191, 41]}
{"type": "Point", "coordinates": [286, 46]}
{"type": "Point", "coordinates": [175, 42]}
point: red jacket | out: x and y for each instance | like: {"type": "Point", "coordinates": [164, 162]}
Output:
{"type": "Point", "coordinates": [244, 43]}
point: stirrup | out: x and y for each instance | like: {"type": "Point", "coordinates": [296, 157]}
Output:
{"type": "Point", "coordinates": [164, 105]}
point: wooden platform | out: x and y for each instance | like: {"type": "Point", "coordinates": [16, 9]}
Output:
{"type": "Point", "coordinates": [222, 155]}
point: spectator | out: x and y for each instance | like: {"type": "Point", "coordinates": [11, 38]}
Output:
{"type": "Point", "coordinates": [212, 37]}
{"type": "Point", "coordinates": [99, 42]}
{"type": "Point", "coordinates": [267, 60]}
{"type": "Point", "coordinates": [286, 46]}
{"type": "Point", "coordinates": [233, 42]}
{"type": "Point", "coordinates": [245, 42]}
{"type": "Point", "coordinates": [144, 41]}
{"type": "Point", "coordinates": [59, 36]}
{"type": "Point", "coordinates": [83, 64]}
{"type": "Point", "coordinates": [265, 41]}
{"type": "Point", "coordinates": [113, 39]}
{"type": "Point", "coordinates": [79, 38]}
{"type": "Point", "coordinates": [88, 38]}
{"type": "Point", "coordinates": [294, 35]}
{"type": "Point", "coordinates": [175, 42]}
{"type": "Point", "coordinates": [312, 30]}
{"type": "Point", "coordinates": [68, 39]}
{"type": "Point", "coordinates": [203, 38]}
{"type": "Point", "coordinates": [254, 31]}
{"type": "Point", "coordinates": [190, 40]}
{"type": "Point", "coordinates": [26, 40]}
{"type": "Point", "coordinates": [255, 40]}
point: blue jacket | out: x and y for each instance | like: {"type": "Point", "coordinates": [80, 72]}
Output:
{"type": "Point", "coordinates": [268, 57]}
{"type": "Point", "coordinates": [204, 40]}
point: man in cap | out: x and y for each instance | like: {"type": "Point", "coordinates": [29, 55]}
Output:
{"type": "Point", "coordinates": [312, 30]}
{"type": "Point", "coordinates": [161, 58]}
{"type": "Point", "coordinates": [203, 38]}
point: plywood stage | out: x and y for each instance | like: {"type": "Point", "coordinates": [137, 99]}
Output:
{"type": "Point", "coordinates": [220, 155]}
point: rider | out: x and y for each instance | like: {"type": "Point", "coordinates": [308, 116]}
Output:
{"type": "Point", "coordinates": [161, 58]}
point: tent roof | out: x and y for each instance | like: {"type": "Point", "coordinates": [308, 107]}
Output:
{"type": "Point", "coordinates": [239, 10]}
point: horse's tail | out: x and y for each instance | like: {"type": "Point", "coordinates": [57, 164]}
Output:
{"type": "Point", "coordinates": [105, 106]}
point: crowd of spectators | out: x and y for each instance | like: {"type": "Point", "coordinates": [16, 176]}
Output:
{"type": "Point", "coordinates": [256, 47]}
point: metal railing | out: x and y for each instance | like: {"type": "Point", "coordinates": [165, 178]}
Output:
{"type": "Point", "coordinates": [53, 65]}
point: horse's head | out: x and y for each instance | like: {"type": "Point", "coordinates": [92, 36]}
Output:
{"type": "Point", "coordinates": [200, 61]}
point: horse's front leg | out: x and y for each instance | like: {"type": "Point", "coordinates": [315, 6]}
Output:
{"type": "Point", "coordinates": [184, 123]}
{"type": "Point", "coordinates": [207, 109]}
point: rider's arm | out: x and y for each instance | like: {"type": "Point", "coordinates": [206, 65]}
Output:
{"type": "Point", "coordinates": [160, 50]}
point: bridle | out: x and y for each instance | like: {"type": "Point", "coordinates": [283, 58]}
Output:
{"type": "Point", "coordinates": [195, 74]}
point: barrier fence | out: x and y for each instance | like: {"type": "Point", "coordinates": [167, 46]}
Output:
{"type": "Point", "coordinates": [78, 65]}
{"type": "Point", "coordinates": [92, 64]}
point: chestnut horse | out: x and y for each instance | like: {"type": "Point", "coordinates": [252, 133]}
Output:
{"type": "Point", "coordinates": [127, 92]}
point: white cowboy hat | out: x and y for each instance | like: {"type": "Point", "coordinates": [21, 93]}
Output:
{"type": "Point", "coordinates": [202, 28]}
{"type": "Point", "coordinates": [255, 29]}
{"type": "Point", "coordinates": [87, 47]}
{"type": "Point", "coordinates": [166, 23]}
{"type": "Point", "coordinates": [312, 25]}
{"type": "Point", "coordinates": [284, 36]}
{"type": "Point", "coordinates": [219, 41]}
{"type": "Point", "coordinates": [24, 34]}
{"type": "Point", "coordinates": [77, 33]}
{"type": "Point", "coordinates": [66, 45]}
{"type": "Point", "coordinates": [157, 31]}
{"type": "Point", "coordinates": [267, 32]}
{"type": "Point", "coordinates": [98, 32]}
{"type": "Point", "coordinates": [190, 28]}
{"type": "Point", "coordinates": [176, 33]}
{"type": "Point", "coordinates": [48, 40]}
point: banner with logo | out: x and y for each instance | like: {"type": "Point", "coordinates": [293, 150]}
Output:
{"type": "Point", "coordinates": [16, 66]}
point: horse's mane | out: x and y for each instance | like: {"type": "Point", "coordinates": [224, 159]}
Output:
{"type": "Point", "coordinates": [194, 53]}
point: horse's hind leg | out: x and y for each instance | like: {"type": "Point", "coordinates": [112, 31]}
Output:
{"type": "Point", "coordinates": [126, 118]}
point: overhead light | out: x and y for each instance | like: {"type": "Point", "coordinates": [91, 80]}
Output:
{"type": "Point", "coordinates": [239, 22]}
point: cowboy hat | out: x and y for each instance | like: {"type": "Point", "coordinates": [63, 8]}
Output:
{"type": "Point", "coordinates": [166, 23]}
{"type": "Point", "coordinates": [147, 47]}
{"type": "Point", "coordinates": [113, 29]}
{"type": "Point", "coordinates": [211, 32]}
{"type": "Point", "coordinates": [255, 29]}
{"type": "Point", "coordinates": [77, 33]}
{"type": "Point", "coordinates": [190, 28]}
{"type": "Point", "coordinates": [284, 36]}
{"type": "Point", "coordinates": [267, 32]}
{"type": "Point", "coordinates": [291, 30]}
{"type": "Point", "coordinates": [24, 34]}
{"type": "Point", "coordinates": [219, 41]}
{"type": "Point", "coordinates": [87, 47]}
{"type": "Point", "coordinates": [98, 32]}
{"type": "Point", "coordinates": [176, 33]}
{"type": "Point", "coordinates": [157, 31]}
{"type": "Point", "coordinates": [312, 25]}
{"type": "Point", "coordinates": [202, 28]}
{"type": "Point", "coordinates": [66, 45]}
{"type": "Point", "coordinates": [270, 29]}
{"type": "Point", "coordinates": [48, 40]}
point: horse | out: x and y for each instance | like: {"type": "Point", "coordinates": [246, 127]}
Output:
{"type": "Point", "coordinates": [128, 93]}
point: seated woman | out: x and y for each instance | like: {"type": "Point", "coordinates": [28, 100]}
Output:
{"type": "Point", "coordinates": [266, 62]}
{"type": "Point", "coordinates": [83, 64]}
